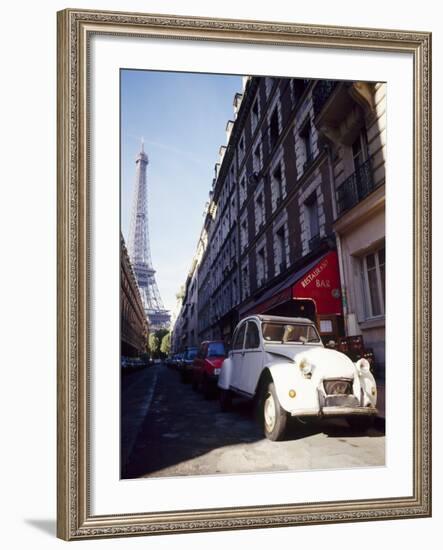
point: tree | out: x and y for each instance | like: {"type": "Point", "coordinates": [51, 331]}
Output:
{"type": "Point", "coordinates": [154, 344]}
{"type": "Point", "coordinates": [165, 346]}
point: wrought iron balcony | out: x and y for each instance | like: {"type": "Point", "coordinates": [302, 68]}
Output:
{"type": "Point", "coordinates": [321, 93]}
{"type": "Point", "coordinates": [355, 188]}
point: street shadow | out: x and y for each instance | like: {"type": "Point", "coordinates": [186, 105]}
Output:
{"type": "Point", "coordinates": [334, 428]}
{"type": "Point", "coordinates": [181, 425]}
{"type": "Point", "coordinates": [48, 526]}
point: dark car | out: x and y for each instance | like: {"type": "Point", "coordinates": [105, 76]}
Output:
{"type": "Point", "coordinates": [176, 360]}
{"type": "Point", "coordinates": [207, 365]}
{"type": "Point", "coordinates": [185, 364]}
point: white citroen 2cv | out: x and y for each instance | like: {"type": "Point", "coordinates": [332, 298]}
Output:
{"type": "Point", "coordinates": [282, 364]}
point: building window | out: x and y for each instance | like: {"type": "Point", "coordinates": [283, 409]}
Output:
{"type": "Point", "coordinates": [245, 281]}
{"type": "Point", "coordinates": [256, 159]}
{"type": "Point", "coordinates": [241, 148]}
{"type": "Point", "coordinates": [274, 129]}
{"type": "Point", "coordinates": [276, 187]}
{"type": "Point", "coordinates": [280, 256]}
{"type": "Point", "coordinates": [360, 150]}
{"type": "Point", "coordinates": [306, 138]}
{"type": "Point", "coordinates": [242, 190]}
{"type": "Point", "coordinates": [373, 275]}
{"type": "Point", "coordinates": [311, 206]}
{"type": "Point", "coordinates": [234, 292]}
{"type": "Point", "coordinates": [244, 234]}
{"type": "Point", "coordinates": [232, 177]}
{"type": "Point", "coordinates": [259, 211]}
{"type": "Point", "coordinates": [298, 86]}
{"type": "Point", "coordinates": [255, 115]}
{"type": "Point", "coordinates": [269, 84]}
{"type": "Point", "coordinates": [261, 266]}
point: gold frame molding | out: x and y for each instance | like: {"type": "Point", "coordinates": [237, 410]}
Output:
{"type": "Point", "coordinates": [74, 519]}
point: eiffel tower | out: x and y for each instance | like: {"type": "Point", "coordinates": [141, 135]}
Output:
{"type": "Point", "coordinates": [139, 250]}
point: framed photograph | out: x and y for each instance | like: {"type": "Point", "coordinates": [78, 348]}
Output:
{"type": "Point", "coordinates": [243, 274]}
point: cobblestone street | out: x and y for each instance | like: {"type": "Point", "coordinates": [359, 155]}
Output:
{"type": "Point", "coordinates": [170, 430]}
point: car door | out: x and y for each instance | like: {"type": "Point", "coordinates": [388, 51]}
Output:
{"type": "Point", "coordinates": [252, 363]}
{"type": "Point", "coordinates": [237, 356]}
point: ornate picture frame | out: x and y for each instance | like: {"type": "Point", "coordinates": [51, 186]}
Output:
{"type": "Point", "coordinates": [74, 517]}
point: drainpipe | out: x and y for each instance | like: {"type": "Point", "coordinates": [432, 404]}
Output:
{"type": "Point", "coordinates": [338, 241]}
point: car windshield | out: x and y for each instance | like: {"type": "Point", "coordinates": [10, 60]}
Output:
{"type": "Point", "coordinates": [289, 333]}
{"type": "Point", "coordinates": [216, 349]}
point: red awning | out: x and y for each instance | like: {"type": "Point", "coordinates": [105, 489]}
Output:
{"type": "Point", "coordinates": [322, 284]}
{"type": "Point", "coordinates": [319, 281]}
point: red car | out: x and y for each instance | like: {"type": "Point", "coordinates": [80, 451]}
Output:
{"type": "Point", "coordinates": [206, 366]}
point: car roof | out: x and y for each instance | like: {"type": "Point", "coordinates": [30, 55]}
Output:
{"type": "Point", "coordinates": [280, 319]}
{"type": "Point", "coordinates": [213, 342]}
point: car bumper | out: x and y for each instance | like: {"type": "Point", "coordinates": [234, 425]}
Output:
{"type": "Point", "coordinates": [336, 411]}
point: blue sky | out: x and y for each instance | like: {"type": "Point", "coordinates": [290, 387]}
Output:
{"type": "Point", "coordinates": [182, 118]}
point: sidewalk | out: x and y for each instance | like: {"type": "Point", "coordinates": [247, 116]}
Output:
{"type": "Point", "coordinates": [381, 401]}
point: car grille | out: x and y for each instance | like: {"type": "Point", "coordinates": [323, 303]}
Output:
{"type": "Point", "coordinates": [341, 401]}
{"type": "Point", "coordinates": [338, 386]}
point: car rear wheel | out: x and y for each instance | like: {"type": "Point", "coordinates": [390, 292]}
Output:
{"type": "Point", "coordinates": [275, 419]}
{"type": "Point", "coordinates": [225, 400]}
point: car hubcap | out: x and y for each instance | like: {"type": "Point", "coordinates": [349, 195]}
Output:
{"type": "Point", "coordinates": [269, 410]}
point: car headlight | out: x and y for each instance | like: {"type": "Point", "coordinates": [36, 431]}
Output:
{"type": "Point", "coordinates": [363, 365]}
{"type": "Point", "coordinates": [306, 366]}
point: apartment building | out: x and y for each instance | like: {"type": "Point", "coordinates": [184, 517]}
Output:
{"type": "Point", "coordinates": [294, 223]}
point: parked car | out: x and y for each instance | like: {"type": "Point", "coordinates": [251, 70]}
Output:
{"type": "Point", "coordinates": [176, 360]}
{"type": "Point", "coordinates": [134, 363]}
{"type": "Point", "coordinates": [206, 366]}
{"type": "Point", "coordinates": [185, 364]}
{"type": "Point", "coordinates": [281, 363]}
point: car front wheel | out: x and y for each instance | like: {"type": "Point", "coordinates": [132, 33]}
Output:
{"type": "Point", "coordinates": [275, 419]}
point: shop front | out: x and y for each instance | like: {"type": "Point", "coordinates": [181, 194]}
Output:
{"type": "Point", "coordinates": [313, 292]}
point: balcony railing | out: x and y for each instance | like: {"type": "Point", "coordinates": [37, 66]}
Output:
{"type": "Point", "coordinates": [321, 93]}
{"type": "Point", "coordinates": [355, 188]}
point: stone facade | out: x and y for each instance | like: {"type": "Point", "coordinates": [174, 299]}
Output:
{"type": "Point", "coordinates": [134, 325]}
{"type": "Point", "coordinates": [276, 201]}
{"type": "Point", "coordinates": [359, 175]}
